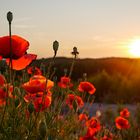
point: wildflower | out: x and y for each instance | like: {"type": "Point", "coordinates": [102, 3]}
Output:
{"type": "Point", "coordinates": [125, 113]}
{"type": "Point", "coordinates": [34, 70]}
{"type": "Point", "coordinates": [122, 123]}
{"type": "Point", "coordinates": [19, 46]}
{"type": "Point", "coordinates": [20, 58]}
{"type": "Point", "coordinates": [88, 138]}
{"type": "Point", "coordinates": [41, 103]}
{"type": "Point", "coordinates": [5, 90]}
{"type": "Point", "coordinates": [38, 100]}
{"type": "Point", "coordinates": [31, 97]}
{"type": "Point", "coordinates": [2, 80]}
{"type": "Point", "coordinates": [83, 117]}
{"type": "Point", "coordinates": [22, 62]}
{"type": "Point", "coordinates": [107, 137]}
{"type": "Point", "coordinates": [65, 82]}
{"type": "Point", "coordinates": [73, 98]}
{"type": "Point", "coordinates": [93, 126]}
{"type": "Point", "coordinates": [86, 87]}
{"type": "Point", "coordinates": [79, 101]}
{"type": "Point", "coordinates": [38, 83]}
{"type": "Point", "coordinates": [3, 96]}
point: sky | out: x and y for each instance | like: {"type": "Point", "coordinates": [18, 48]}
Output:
{"type": "Point", "coordinates": [98, 28]}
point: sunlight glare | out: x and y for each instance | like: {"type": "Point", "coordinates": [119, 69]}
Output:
{"type": "Point", "coordinates": [134, 48]}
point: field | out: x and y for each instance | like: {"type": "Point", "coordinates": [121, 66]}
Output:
{"type": "Point", "coordinates": [66, 98]}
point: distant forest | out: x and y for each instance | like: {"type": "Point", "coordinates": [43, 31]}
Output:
{"type": "Point", "coordinates": [117, 80]}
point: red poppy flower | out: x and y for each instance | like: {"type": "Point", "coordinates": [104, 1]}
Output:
{"type": "Point", "coordinates": [86, 87]}
{"type": "Point", "coordinates": [31, 97]}
{"type": "Point", "coordinates": [79, 101]}
{"type": "Point", "coordinates": [93, 126]}
{"type": "Point", "coordinates": [40, 102]}
{"type": "Point", "coordinates": [37, 83]}
{"type": "Point", "coordinates": [88, 138]}
{"type": "Point", "coordinates": [19, 46]}
{"type": "Point", "coordinates": [107, 137]}
{"type": "Point", "coordinates": [122, 123]}
{"type": "Point", "coordinates": [65, 82]}
{"type": "Point", "coordinates": [83, 117]}
{"type": "Point", "coordinates": [3, 96]}
{"type": "Point", "coordinates": [125, 113]}
{"type": "Point", "coordinates": [4, 93]}
{"type": "Point", "coordinates": [2, 80]}
{"type": "Point", "coordinates": [71, 98]}
{"type": "Point", "coordinates": [34, 70]}
{"type": "Point", "coordinates": [22, 62]}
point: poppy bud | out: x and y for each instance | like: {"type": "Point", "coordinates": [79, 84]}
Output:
{"type": "Point", "coordinates": [65, 71]}
{"type": "Point", "coordinates": [31, 108]}
{"type": "Point", "coordinates": [85, 76]}
{"type": "Point", "coordinates": [17, 102]}
{"type": "Point", "coordinates": [55, 78]}
{"type": "Point", "coordinates": [42, 129]}
{"type": "Point", "coordinates": [55, 46]}
{"type": "Point", "coordinates": [9, 17]}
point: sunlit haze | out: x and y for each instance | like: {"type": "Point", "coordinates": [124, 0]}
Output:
{"type": "Point", "coordinates": [98, 28]}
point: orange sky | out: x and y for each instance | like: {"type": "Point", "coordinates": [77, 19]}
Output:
{"type": "Point", "coordinates": [98, 28]}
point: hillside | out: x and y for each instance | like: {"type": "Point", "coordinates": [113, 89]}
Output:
{"type": "Point", "coordinates": [125, 66]}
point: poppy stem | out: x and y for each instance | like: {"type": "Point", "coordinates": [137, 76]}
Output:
{"type": "Point", "coordinates": [11, 76]}
{"type": "Point", "coordinates": [10, 18]}
{"type": "Point", "coordinates": [72, 66]}
{"type": "Point", "coordinates": [10, 63]}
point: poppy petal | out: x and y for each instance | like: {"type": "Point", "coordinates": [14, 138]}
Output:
{"type": "Point", "coordinates": [23, 62]}
{"type": "Point", "coordinates": [19, 46]}
{"type": "Point", "coordinates": [0, 57]}
{"type": "Point", "coordinates": [2, 80]}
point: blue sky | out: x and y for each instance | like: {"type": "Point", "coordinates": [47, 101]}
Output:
{"type": "Point", "coordinates": [98, 28]}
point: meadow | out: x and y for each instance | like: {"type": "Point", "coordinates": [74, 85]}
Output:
{"type": "Point", "coordinates": [52, 99]}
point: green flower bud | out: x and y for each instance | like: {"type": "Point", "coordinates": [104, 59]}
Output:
{"type": "Point", "coordinates": [9, 17]}
{"type": "Point", "coordinates": [42, 129]}
{"type": "Point", "coordinates": [31, 108]}
{"type": "Point", "coordinates": [17, 102]}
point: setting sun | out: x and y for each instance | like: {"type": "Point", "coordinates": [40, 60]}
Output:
{"type": "Point", "coordinates": [134, 48]}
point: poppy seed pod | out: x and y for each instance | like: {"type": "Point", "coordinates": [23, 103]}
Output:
{"type": "Point", "coordinates": [55, 45]}
{"type": "Point", "coordinates": [75, 52]}
{"type": "Point", "coordinates": [9, 17]}
{"type": "Point", "coordinates": [17, 102]}
{"type": "Point", "coordinates": [31, 108]}
{"type": "Point", "coordinates": [42, 129]}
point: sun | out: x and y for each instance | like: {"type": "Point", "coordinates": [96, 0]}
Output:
{"type": "Point", "coordinates": [134, 48]}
